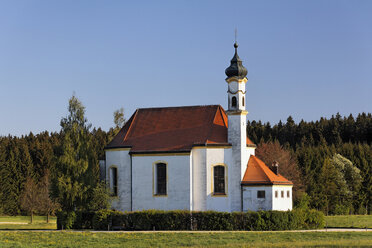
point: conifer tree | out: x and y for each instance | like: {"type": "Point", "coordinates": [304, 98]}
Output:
{"type": "Point", "coordinates": [69, 175]}
{"type": "Point", "coordinates": [12, 179]}
{"type": "Point", "coordinates": [2, 168]}
{"type": "Point", "coordinates": [75, 178]}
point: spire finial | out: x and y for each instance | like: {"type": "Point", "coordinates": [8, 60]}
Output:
{"type": "Point", "coordinates": [236, 39]}
{"type": "Point", "coordinates": [236, 68]}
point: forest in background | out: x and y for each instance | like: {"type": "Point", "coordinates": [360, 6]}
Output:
{"type": "Point", "coordinates": [334, 157]}
{"type": "Point", "coordinates": [330, 161]}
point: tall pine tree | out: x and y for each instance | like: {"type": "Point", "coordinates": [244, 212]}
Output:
{"type": "Point", "coordinates": [71, 169]}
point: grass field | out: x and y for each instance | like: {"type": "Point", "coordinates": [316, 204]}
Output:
{"type": "Point", "coordinates": [35, 239]}
{"type": "Point", "coordinates": [22, 222]}
{"type": "Point", "coordinates": [356, 221]}
{"type": "Point", "coordinates": [201, 239]}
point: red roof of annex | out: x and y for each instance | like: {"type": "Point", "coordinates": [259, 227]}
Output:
{"type": "Point", "coordinates": [258, 173]}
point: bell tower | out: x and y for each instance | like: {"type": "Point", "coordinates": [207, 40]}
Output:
{"type": "Point", "coordinates": [237, 126]}
{"type": "Point", "coordinates": [236, 79]}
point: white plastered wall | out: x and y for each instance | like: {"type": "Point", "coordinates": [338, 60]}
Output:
{"type": "Point", "coordinates": [204, 159]}
{"type": "Point", "coordinates": [219, 156]}
{"type": "Point", "coordinates": [190, 180]}
{"type": "Point", "coordinates": [236, 90]}
{"type": "Point", "coordinates": [178, 183]}
{"type": "Point", "coordinates": [199, 172]}
{"type": "Point", "coordinates": [121, 160]}
{"type": "Point", "coordinates": [252, 203]}
{"type": "Point", "coordinates": [240, 155]}
{"type": "Point", "coordinates": [282, 203]}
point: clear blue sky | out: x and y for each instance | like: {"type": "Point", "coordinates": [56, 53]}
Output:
{"type": "Point", "coordinates": [307, 59]}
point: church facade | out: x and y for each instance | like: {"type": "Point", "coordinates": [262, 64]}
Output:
{"type": "Point", "coordinates": [193, 158]}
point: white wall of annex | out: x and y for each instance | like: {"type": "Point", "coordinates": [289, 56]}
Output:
{"type": "Point", "coordinates": [252, 203]}
{"type": "Point", "coordinates": [282, 203]}
{"type": "Point", "coordinates": [121, 160]}
{"type": "Point", "coordinates": [178, 183]}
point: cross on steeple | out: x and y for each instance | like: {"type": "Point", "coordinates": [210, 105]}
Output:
{"type": "Point", "coordinates": [236, 35]}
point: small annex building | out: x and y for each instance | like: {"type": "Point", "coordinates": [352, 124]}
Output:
{"type": "Point", "coordinates": [193, 158]}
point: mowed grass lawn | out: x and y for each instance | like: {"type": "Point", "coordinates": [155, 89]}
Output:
{"type": "Point", "coordinates": [350, 221]}
{"type": "Point", "coordinates": [23, 222]}
{"type": "Point", "coordinates": [184, 239]}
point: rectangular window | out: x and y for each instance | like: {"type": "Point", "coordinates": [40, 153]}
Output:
{"type": "Point", "coordinates": [219, 179]}
{"type": "Point", "coordinates": [288, 194]}
{"type": "Point", "coordinates": [282, 194]}
{"type": "Point", "coordinates": [114, 180]}
{"type": "Point", "coordinates": [276, 194]}
{"type": "Point", "coordinates": [161, 179]}
{"type": "Point", "coordinates": [261, 194]}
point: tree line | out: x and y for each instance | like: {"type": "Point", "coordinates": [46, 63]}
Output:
{"type": "Point", "coordinates": [329, 161]}
{"type": "Point", "coordinates": [55, 171]}
{"type": "Point", "coordinates": [333, 156]}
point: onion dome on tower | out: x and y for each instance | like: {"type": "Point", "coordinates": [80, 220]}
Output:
{"type": "Point", "coordinates": [236, 68]}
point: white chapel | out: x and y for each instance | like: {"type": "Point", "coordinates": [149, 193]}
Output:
{"type": "Point", "coordinates": [193, 158]}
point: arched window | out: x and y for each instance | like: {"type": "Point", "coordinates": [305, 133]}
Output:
{"type": "Point", "coordinates": [114, 181]}
{"type": "Point", "coordinates": [233, 101]}
{"type": "Point", "coordinates": [219, 179]}
{"type": "Point", "coordinates": [243, 100]}
{"type": "Point", "coordinates": [161, 179]}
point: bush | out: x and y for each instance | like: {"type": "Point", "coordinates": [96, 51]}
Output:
{"type": "Point", "coordinates": [65, 220]}
{"type": "Point", "coordinates": [186, 220]}
{"type": "Point", "coordinates": [102, 219]}
{"type": "Point", "coordinates": [211, 220]}
{"type": "Point", "coordinates": [83, 220]}
{"type": "Point", "coordinates": [275, 220]}
{"type": "Point", "coordinates": [172, 220]}
{"type": "Point", "coordinates": [314, 219]}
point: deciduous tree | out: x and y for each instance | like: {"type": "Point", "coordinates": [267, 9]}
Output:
{"type": "Point", "coordinates": [273, 151]}
{"type": "Point", "coordinates": [119, 120]}
{"type": "Point", "coordinates": [47, 205]}
{"type": "Point", "coordinates": [30, 198]}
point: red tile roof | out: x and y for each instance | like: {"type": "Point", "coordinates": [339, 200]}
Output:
{"type": "Point", "coordinates": [258, 173]}
{"type": "Point", "coordinates": [173, 129]}
{"type": "Point", "coordinates": [250, 142]}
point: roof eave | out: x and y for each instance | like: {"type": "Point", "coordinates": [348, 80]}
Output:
{"type": "Point", "coordinates": [160, 152]}
{"type": "Point", "coordinates": [115, 147]}
{"type": "Point", "coordinates": [212, 144]}
{"type": "Point", "coordinates": [245, 183]}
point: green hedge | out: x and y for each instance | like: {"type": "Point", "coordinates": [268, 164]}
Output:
{"type": "Point", "coordinates": [186, 220]}
{"type": "Point", "coordinates": [65, 220]}
{"type": "Point", "coordinates": [207, 220]}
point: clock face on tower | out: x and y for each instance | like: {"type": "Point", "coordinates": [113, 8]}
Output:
{"type": "Point", "coordinates": [233, 87]}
